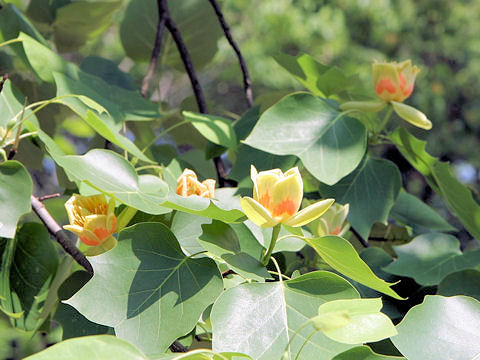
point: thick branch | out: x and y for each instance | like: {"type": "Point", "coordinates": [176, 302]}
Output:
{"type": "Point", "coordinates": [56, 231]}
{"type": "Point", "coordinates": [155, 53]}
{"type": "Point", "coordinates": [247, 84]}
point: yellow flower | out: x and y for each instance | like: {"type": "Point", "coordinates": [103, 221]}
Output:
{"type": "Point", "coordinates": [394, 81]}
{"type": "Point", "coordinates": [188, 184]}
{"type": "Point", "coordinates": [91, 218]}
{"type": "Point", "coordinates": [277, 197]}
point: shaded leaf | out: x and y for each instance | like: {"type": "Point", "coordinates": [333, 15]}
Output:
{"type": "Point", "coordinates": [413, 212]}
{"type": "Point", "coordinates": [237, 246]}
{"type": "Point", "coordinates": [439, 176]}
{"type": "Point", "coordinates": [465, 282]}
{"type": "Point", "coordinates": [214, 128]}
{"type": "Point", "coordinates": [430, 257]}
{"type": "Point", "coordinates": [371, 191]}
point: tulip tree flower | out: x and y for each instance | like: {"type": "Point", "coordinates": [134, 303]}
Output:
{"type": "Point", "coordinates": [276, 200]}
{"type": "Point", "coordinates": [188, 184]}
{"type": "Point", "coordinates": [332, 222]}
{"type": "Point", "coordinates": [93, 220]}
{"type": "Point", "coordinates": [393, 83]}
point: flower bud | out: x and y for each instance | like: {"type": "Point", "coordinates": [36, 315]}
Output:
{"type": "Point", "coordinates": [188, 185]}
{"type": "Point", "coordinates": [394, 81]}
{"type": "Point", "coordinates": [333, 221]}
{"type": "Point", "coordinates": [91, 218]}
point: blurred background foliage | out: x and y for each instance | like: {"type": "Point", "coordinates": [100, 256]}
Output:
{"type": "Point", "coordinates": [440, 36]}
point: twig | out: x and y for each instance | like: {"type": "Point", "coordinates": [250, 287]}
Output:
{"type": "Point", "coordinates": [14, 149]}
{"type": "Point", "coordinates": [359, 237]}
{"type": "Point", "coordinates": [4, 78]}
{"type": "Point", "coordinates": [56, 231]}
{"type": "Point", "coordinates": [50, 196]}
{"type": "Point", "coordinates": [155, 53]}
{"type": "Point", "coordinates": [247, 84]}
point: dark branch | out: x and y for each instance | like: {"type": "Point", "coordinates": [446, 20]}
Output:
{"type": "Point", "coordinates": [59, 234]}
{"type": "Point", "coordinates": [359, 237]}
{"type": "Point", "coordinates": [155, 53]}
{"type": "Point", "coordinates": [178, 347]}
{"type": "Point", "coordinates": [184, 54]}
{"type": "Point", "coordinates": [4, 78]}
{"type": "Point", "coordinates": [247, 84]}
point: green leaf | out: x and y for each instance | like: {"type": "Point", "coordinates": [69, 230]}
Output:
{"type": "Point", "coordinates": [155, 293]}
{"type": "Point", "coordinates": [430, 257]}
{"type": "Point", "coordinates": [259, 319]}
{"type": "Point", "coordinates": [341, 256]}
{"type": "Point", "coordinates": [371, 191]}
{"type": "Point", "coordinates": [225, 207]}
{"type": "Point", "coordinates": [214, 128]}
{"type": "Point", "coordinates": [15, 190]}
{"type": "Point", "coordinates": [28, 269]}
{"type": "Point", "coordinates": [364, 321]}
{"type": "Point", "coordinates": [12, 23]}
{"type": "Point", "coordinates": [321, 80]}
{"type": "Point", "coordinates": [114, 175]}
{"type": "Point", "coordinates": [411, 211]}
{"type": "Point", "coordinates": [108, 71]}
{"type": "Point", "coordinates": [121, 104]}
{"type": "Point", "coordinates": [465, 282]}
{"type": "Point", "coordinates": [197, 23]}
{"type": "Point", "coordinates": [187, 228]}
{"type": "Point", "coordinates": [364, 353]}
{"type": "Point", "coordinates": [440, 328]}
{"type": "Point", "coordinates": [105, 347]}
{"type": "Point", "coordinates": [441, 179]}
{"type": "Point", "coordinates": [330, 144]}
{"type": "Point", "coordinates": [11, 103]}
{"type": "Point", "coordinates": [237, 246]}
{"type": "Point", "coordinates": [80, 21]}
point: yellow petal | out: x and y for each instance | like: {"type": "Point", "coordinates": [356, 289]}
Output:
{"type": "Point", "coordinates": [363, 106]}
{"type": "Point", "coordinates": [412, 115]}
{"type": "Point", "coordinates": [287, 195]}
{"type": "Point", "coordinates": [257, 213]}
{"type": "Point", "coordinates": [310, 213]}
{"type": "Point", "coordinates": [264, 184]}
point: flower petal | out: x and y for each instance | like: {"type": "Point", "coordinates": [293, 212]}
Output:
{"type": "Point", "coordinates": [412, 115]}
{"type": "Point", "coordinates": [364, 106]}
{"type": "Point", "coordinates": [264, 184]}
{"type": "Point", "coordinates": [257, 213]}
{"type": "Point", "coordinates": [287, 195]}
{"type": "Point", "coordinates": [310, 213]}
